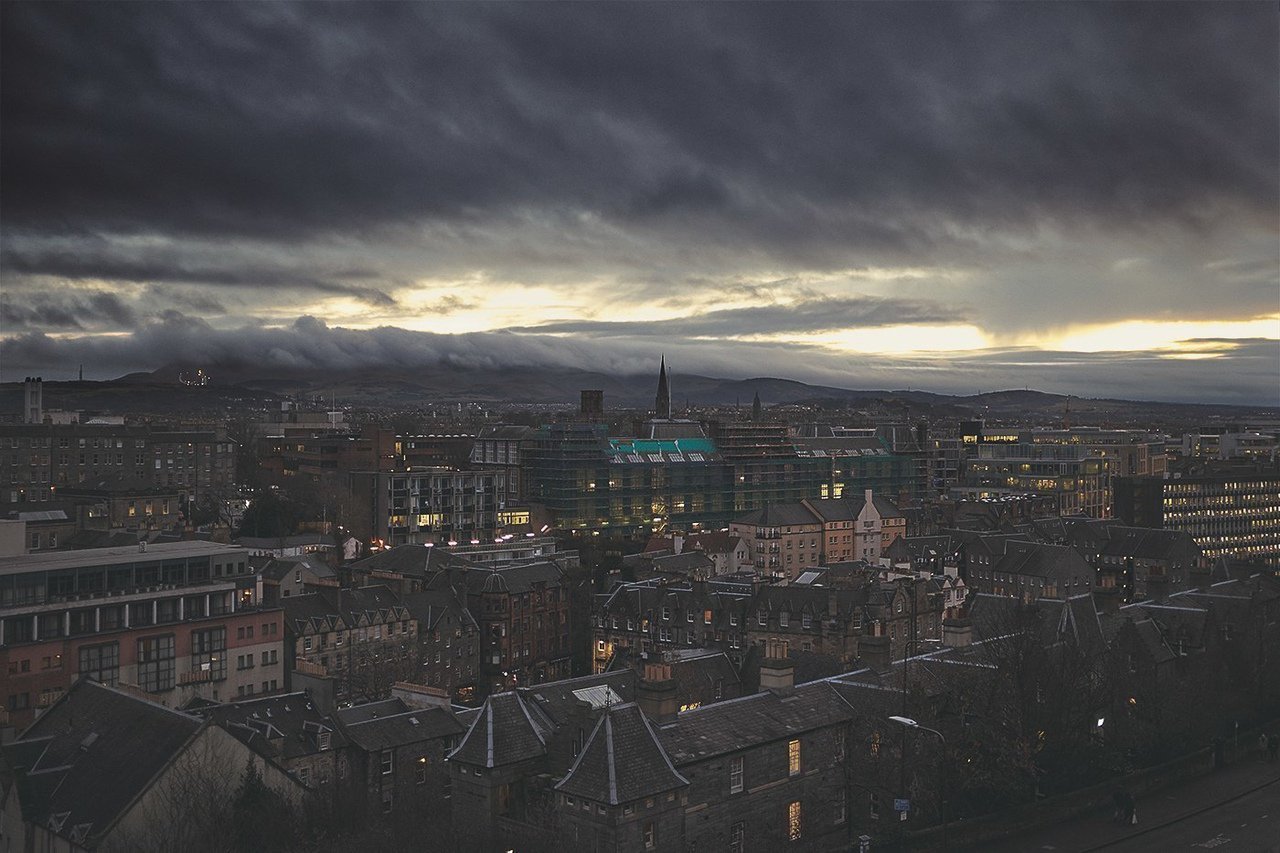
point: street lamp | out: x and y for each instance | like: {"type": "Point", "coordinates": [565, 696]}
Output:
{"type": "Point", "coordinates": [942, 765]}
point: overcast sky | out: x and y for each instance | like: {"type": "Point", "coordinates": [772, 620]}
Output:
{"type": "Point", "coordinates": [1081, 198]}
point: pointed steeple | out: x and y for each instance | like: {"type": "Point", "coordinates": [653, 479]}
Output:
{"type": "Point", "coordinates": [662, 403]}
{"type": "Point", "coordinates": [755, 409]}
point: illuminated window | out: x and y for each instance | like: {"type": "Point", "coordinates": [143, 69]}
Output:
{"type": "Point", "coordinates": [793, 758]}
{"type": "Point", "coordinates": [793, 821]}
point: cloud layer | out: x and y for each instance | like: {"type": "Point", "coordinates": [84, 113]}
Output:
{"type": "Point", "coordinates": [761, 171]}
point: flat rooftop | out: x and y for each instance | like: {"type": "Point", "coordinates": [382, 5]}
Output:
{"type": "Point", "coordinates": [115, 556]}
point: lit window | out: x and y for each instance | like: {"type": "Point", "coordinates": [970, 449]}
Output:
{"type": "Point", "coordinates": [793, 758]}
{"type": "Point", "coordinates": [793, 821]}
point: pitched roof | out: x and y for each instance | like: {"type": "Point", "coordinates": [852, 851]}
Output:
{"type": "Point", "coordinates": [378, 733]}
{"type": "Point", "coordinates": [507, 730]}
{"type": "Point", "coordinates": [85, 760]}
{"type": "Point", "coordinates": [412, 560]}
{"type": "Point", "coordinates": [320, 609]}
{"type": "Point", "coordinates": [738, 724]}
{"type": "Point", "coordinates": [285, 726]}
{"type": "Point", "coordinates": [779, 515]}
{"type": "Point", "coordinates": [622, 761]}
{"type": "Point", "coordinates": [516, 579]}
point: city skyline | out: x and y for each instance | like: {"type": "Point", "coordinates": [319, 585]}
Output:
{"type": "Point", "coordinates": [1079, 198]}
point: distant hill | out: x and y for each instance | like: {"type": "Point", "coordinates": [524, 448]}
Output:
{"type": "Point", "coordinates": [160, 392]}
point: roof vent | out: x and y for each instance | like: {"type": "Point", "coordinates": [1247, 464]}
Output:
{"type": "Point", "coordinates": [413, 720]}
{"type": "Point", "coordinates": [89, 740]}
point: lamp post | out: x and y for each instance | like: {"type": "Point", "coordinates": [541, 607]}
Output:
{"type": "Point", "coordinates": [942, 771]}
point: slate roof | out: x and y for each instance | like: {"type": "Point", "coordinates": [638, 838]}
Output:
{"type": "Point", "coordinates": [779, 515]}
{"type": "Point", "coordinates": [94, 751]}
{"type": "Point", "coordinates": [507, 730]}
{"type": "Point", "coordinates": [622, 761]}
{"type": "Point", "coordinates": [278, 568]}
{"type": "Point", "coordinates": [739, 724]}
{"type": "Point", "coordinates": [364, 605]}
{"type": "Point", "coordinates": [683, 563]}
{"type": "Point", "coordinates": [1148, 544]}
{"type": "Point", "coordinates": [696, 672]}
{"type": "Point", "coordinates": [282, 727]}
{"type": "Point", "coordinates": [516, 579]}
{"type": "Point", "coordinates": [370, 711]}
{"type": "Point", "coordinates": [379, 733]}
{"type": "Point", "coordinates": [1074, 619]}
{"type": "Point", "coordinates": [1037, 559]}
{"type": "Point", "coordinates": [438, 609]}
{"type": "Point", "coordinates": [411, 560]}
{"type": "Point", "coordinates": [558, 700]}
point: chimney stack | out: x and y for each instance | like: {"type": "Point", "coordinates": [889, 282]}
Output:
{"type": "Point", "coordinates": [875, 652]}
{"type": "Point", "coordinates": [957, 633]}
{"type": "Point", "coordinates": [656, 692]}
{"type": "Point", "coordinates": [777, 672]}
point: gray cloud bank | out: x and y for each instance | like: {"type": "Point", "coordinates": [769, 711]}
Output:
{"type": "Point", "coordinates": [1244, 373]}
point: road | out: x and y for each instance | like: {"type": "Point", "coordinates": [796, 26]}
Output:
{"type": "Point", "coordinates": [1234, 810]}
{"type": "Point", "coordinates": [1250, 824]}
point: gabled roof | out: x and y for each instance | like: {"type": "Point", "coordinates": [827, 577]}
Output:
{"type": "Point", "coordinates": [507, 730]}
{"type": "Point", "coordinates": [321, 610]}
{"type": "Point", "coordinates": [92, 754]}
{"type": "Point", "coordinates": [278, 568]}
{"type": "Point", "coordinates": [622, 761]}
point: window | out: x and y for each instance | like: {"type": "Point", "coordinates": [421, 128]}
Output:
{"type": "Point", "coordinates": [784, 619]}
{"type": "Point", "coordinates": [650, 835]}
{"type": "Point", "coordinates": [793, 757]}
{"type": "Point", "coordinates": [208, 652]}
{"type": "Point", "coordinates": [793, 820]}
{"type": "Point", "coordinates": [875, 806]}
{"type": "Point", "coordinates": [706, 617]}
{"type": "Point", "coordinates": [738, 837]}
{"type": "Point", "coordinates": [840, 737]}
{"type": "Point", "coordinates": [101, 663]}
{"type": "Point", "coordinates": [735, 774]}
{"type": "Point", "coordinates": [156, 663]}
{"type": "Point", "coordinates": [421, 774]}
{"type": "Point", "coordinates": [388, 762]}
{"type": "Point", "coordinates": [388, 801]}
{"type": "Point", "coordinates": [762, 618]}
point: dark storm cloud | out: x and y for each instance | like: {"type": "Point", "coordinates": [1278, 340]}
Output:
{"type": "Point", "coordinates": [801, 128]}
{"type": "Point", "coordinates": [66, 310]}
{"type": "Point", "coordinates": [97, 263]}
{"type": "Point", "coordinates": [310, 345]}
{"type": "Point", "coordinates": [809, 315]}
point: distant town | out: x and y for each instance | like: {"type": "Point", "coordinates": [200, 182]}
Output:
{"type": "Point", "coordinates": [749, 627]}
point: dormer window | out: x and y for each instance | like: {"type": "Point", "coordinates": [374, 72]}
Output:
{"type": "Point", "coordinates": [784, 619]}
{"type": "Point", "coordinates": [323, 740]}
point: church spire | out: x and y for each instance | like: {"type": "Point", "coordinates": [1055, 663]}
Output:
{"type": "Point", "coordinates": [755, 408]}
{"type": "Point", "coordinates": [662, 403]}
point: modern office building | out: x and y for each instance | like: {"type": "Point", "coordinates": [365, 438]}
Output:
{"type": "Point", "coordinates": [168, 619]}
{"type": "Point", "coordinates": [1230, 509]}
